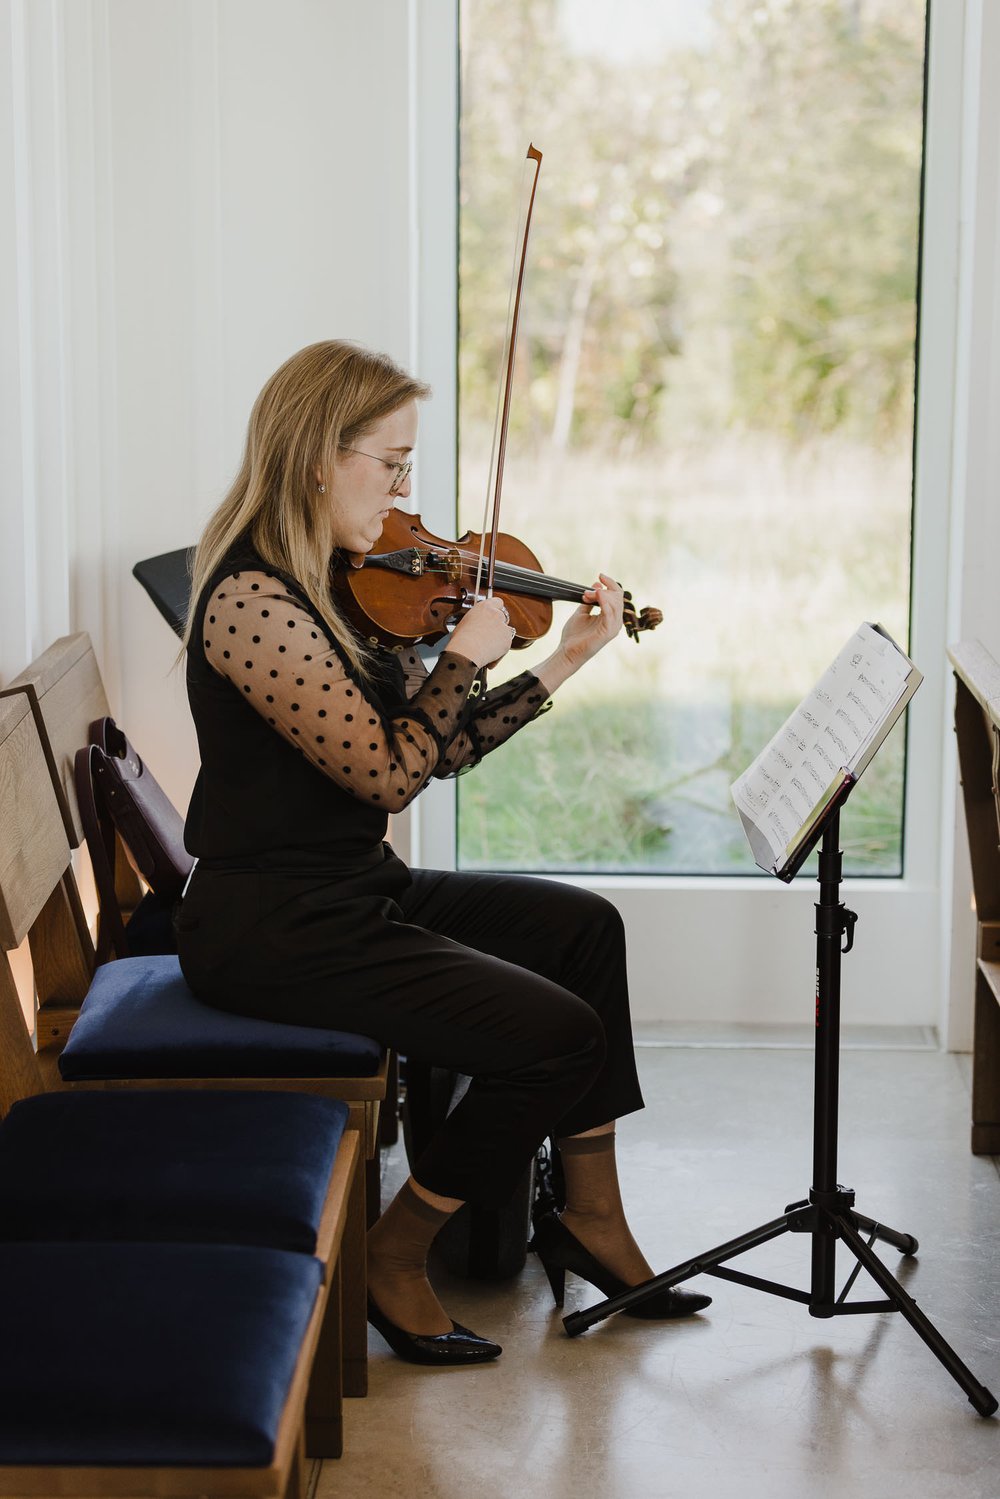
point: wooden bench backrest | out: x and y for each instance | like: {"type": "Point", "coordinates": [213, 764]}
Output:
{"type": "Point", "coordinates": [38, 893]}
{"type": "Point", "coordinates": [66, 693]}
{"type": "Point", "coordinates": [34, 852]}
{"type": "Point", "coordinates": [34, 856]}
{"type": "Point", "coordinates": [977, 725]}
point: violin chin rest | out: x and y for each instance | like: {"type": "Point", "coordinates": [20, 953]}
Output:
{"type": "Point", "coordinates": [355, 559]}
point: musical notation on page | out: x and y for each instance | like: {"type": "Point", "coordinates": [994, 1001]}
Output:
{"type": "Point", "coordinates": [822, 748]}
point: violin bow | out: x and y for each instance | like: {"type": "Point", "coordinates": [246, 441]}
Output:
{"type": "Point", "coordinates": [635, 620]}
{"type": "Point", "coordinates": [499, 448]}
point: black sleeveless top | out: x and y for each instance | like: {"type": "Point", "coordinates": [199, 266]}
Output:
{"type": "Point", "coordinates": [301, 760]}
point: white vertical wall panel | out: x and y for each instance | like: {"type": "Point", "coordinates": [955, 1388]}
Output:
{"type": "Point", "coordinates": [191, 190]}
{"type": "Point", "coordinates": [155, 347]}
{"type": "Point", "coordinates": [260, 203]}
{"type": "Point", "coordinates": [54, 528]}
{"type": "Point", "coordinates": [14, 610]}
{"type": "Point", "coordinates": [88, 289]}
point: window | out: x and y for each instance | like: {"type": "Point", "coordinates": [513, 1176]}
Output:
{"type": "Point", "coordinates": [714, 394]}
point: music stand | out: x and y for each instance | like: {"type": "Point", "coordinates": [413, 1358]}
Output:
{"type": "Point", "coordinates": [828, 1213]}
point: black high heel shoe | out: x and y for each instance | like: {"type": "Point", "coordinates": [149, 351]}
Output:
{"type": "Point", "coordinates": [442, 1351]}
{"type": "Point", "coordinates": [559, 1251]}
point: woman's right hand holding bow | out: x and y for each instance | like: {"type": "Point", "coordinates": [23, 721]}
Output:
{"type": "Point", "coordinates": [484, 634]}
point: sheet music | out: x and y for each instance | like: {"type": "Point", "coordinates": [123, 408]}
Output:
{"type": "Point", "coordinates": [824, 739]}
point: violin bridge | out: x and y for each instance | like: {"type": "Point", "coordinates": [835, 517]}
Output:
{"type": "Point", "coordinates": [449, 564]}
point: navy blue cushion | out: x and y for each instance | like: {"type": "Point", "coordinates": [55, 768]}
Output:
{"type": "Point", "coordinates": [148, 1353]}
{"type": "Point", "coordinates": [229, 1168]}
{"type": "Point", "coordinates": [140, 1019]}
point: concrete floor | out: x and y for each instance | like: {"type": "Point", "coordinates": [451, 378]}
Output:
{"type": "Point", "coordinates": [754, 1397]}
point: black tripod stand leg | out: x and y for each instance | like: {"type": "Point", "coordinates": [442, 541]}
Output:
{"type": "Point", "coordinates": [978, 1394]}
{"type": "Point", "coordinates": [578, 1322]}
{"type": "Point", "coordinates": [905, 1243]}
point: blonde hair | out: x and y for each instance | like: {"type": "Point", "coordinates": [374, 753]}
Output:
{"type": "Point", "coordinates": [318, 403]}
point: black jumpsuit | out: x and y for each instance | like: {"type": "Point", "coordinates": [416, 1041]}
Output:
{"type": "Point", "coordinates": [299, 911]}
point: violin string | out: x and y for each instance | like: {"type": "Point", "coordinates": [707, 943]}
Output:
{"type": "Point", "coordinates": [511, 570]}
{"type": "Point", "coordinates": [542, 588]}
{"type": "Point", "coordinates": [537, 584]}
{"type": "Point", "coordinates": [511, 573]}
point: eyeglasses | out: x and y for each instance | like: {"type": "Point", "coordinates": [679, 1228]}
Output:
{"type": "Point", "coordinates": [401, 470]}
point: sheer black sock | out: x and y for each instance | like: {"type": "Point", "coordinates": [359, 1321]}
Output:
{"type": "Point", "coordinates": [397, 1264]}
{"type": "Point", "coordinates": [594, 1212]}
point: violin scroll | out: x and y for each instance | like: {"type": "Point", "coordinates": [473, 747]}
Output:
{"type": "Point", "coordinates": [638, 620]}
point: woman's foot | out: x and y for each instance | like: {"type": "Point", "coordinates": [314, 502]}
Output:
{"type": "Point", "coordinates": [405, 1297]}
{"type": "Point", "coordinates": [611, 1243]}
{"type": "Point", "coordinates": [398, 1245]}
{"type": "Point", "coordinates": [594, 1213]}
{"type": "Point", "coordinates": [402, 1305]}
{"type": "Point", "coordinates": [559, 1250]}
{"type": "Point", "coordinates": [448, 1350]}
{"type": "Point", "coordinates": [591, 1237]}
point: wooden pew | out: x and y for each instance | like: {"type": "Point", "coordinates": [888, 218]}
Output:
{"type": "Point", "coordinates": [977, 726]}
{"type": "Point", "coordinates": [36, 890]}
{"type": "Point", "coordinates": [68, 1429]}
{"type": "Point", "coordinates": [67, 681]}
{"type": "Point", "coordinates": [39, 1279]}
{"type": "Point", "coordinates": [66, 694]}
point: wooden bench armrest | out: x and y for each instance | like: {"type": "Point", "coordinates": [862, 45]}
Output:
{"type": "Point", "coordinates": [977, 669]}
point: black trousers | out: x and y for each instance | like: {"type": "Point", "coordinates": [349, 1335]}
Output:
{"type": "Point", "coordinates": [517, 982]}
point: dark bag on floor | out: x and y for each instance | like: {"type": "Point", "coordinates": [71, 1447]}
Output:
{"type": "Point", "coordinates": [477, 1242]}
{"type": "Point", "coordinates": [117, 792]}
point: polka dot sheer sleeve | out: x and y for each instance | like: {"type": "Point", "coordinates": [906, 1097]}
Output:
{"type": "Point", "coordinates": [490, 719]}
{"type": "Point", "coordinates": [270, 647]}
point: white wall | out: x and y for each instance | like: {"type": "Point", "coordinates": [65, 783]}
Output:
{"type": "Point", "coordinates": [191, 190]}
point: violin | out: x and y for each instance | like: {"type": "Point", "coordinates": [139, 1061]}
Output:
{"type": "Point", "coordinates": [421, 584]}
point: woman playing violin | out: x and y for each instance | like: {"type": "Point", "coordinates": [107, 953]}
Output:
{"type": "Point", "coordinates": [298, 909]}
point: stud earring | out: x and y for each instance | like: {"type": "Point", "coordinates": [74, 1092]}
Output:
{"type": "Point", "coordinates": [322, 488]}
